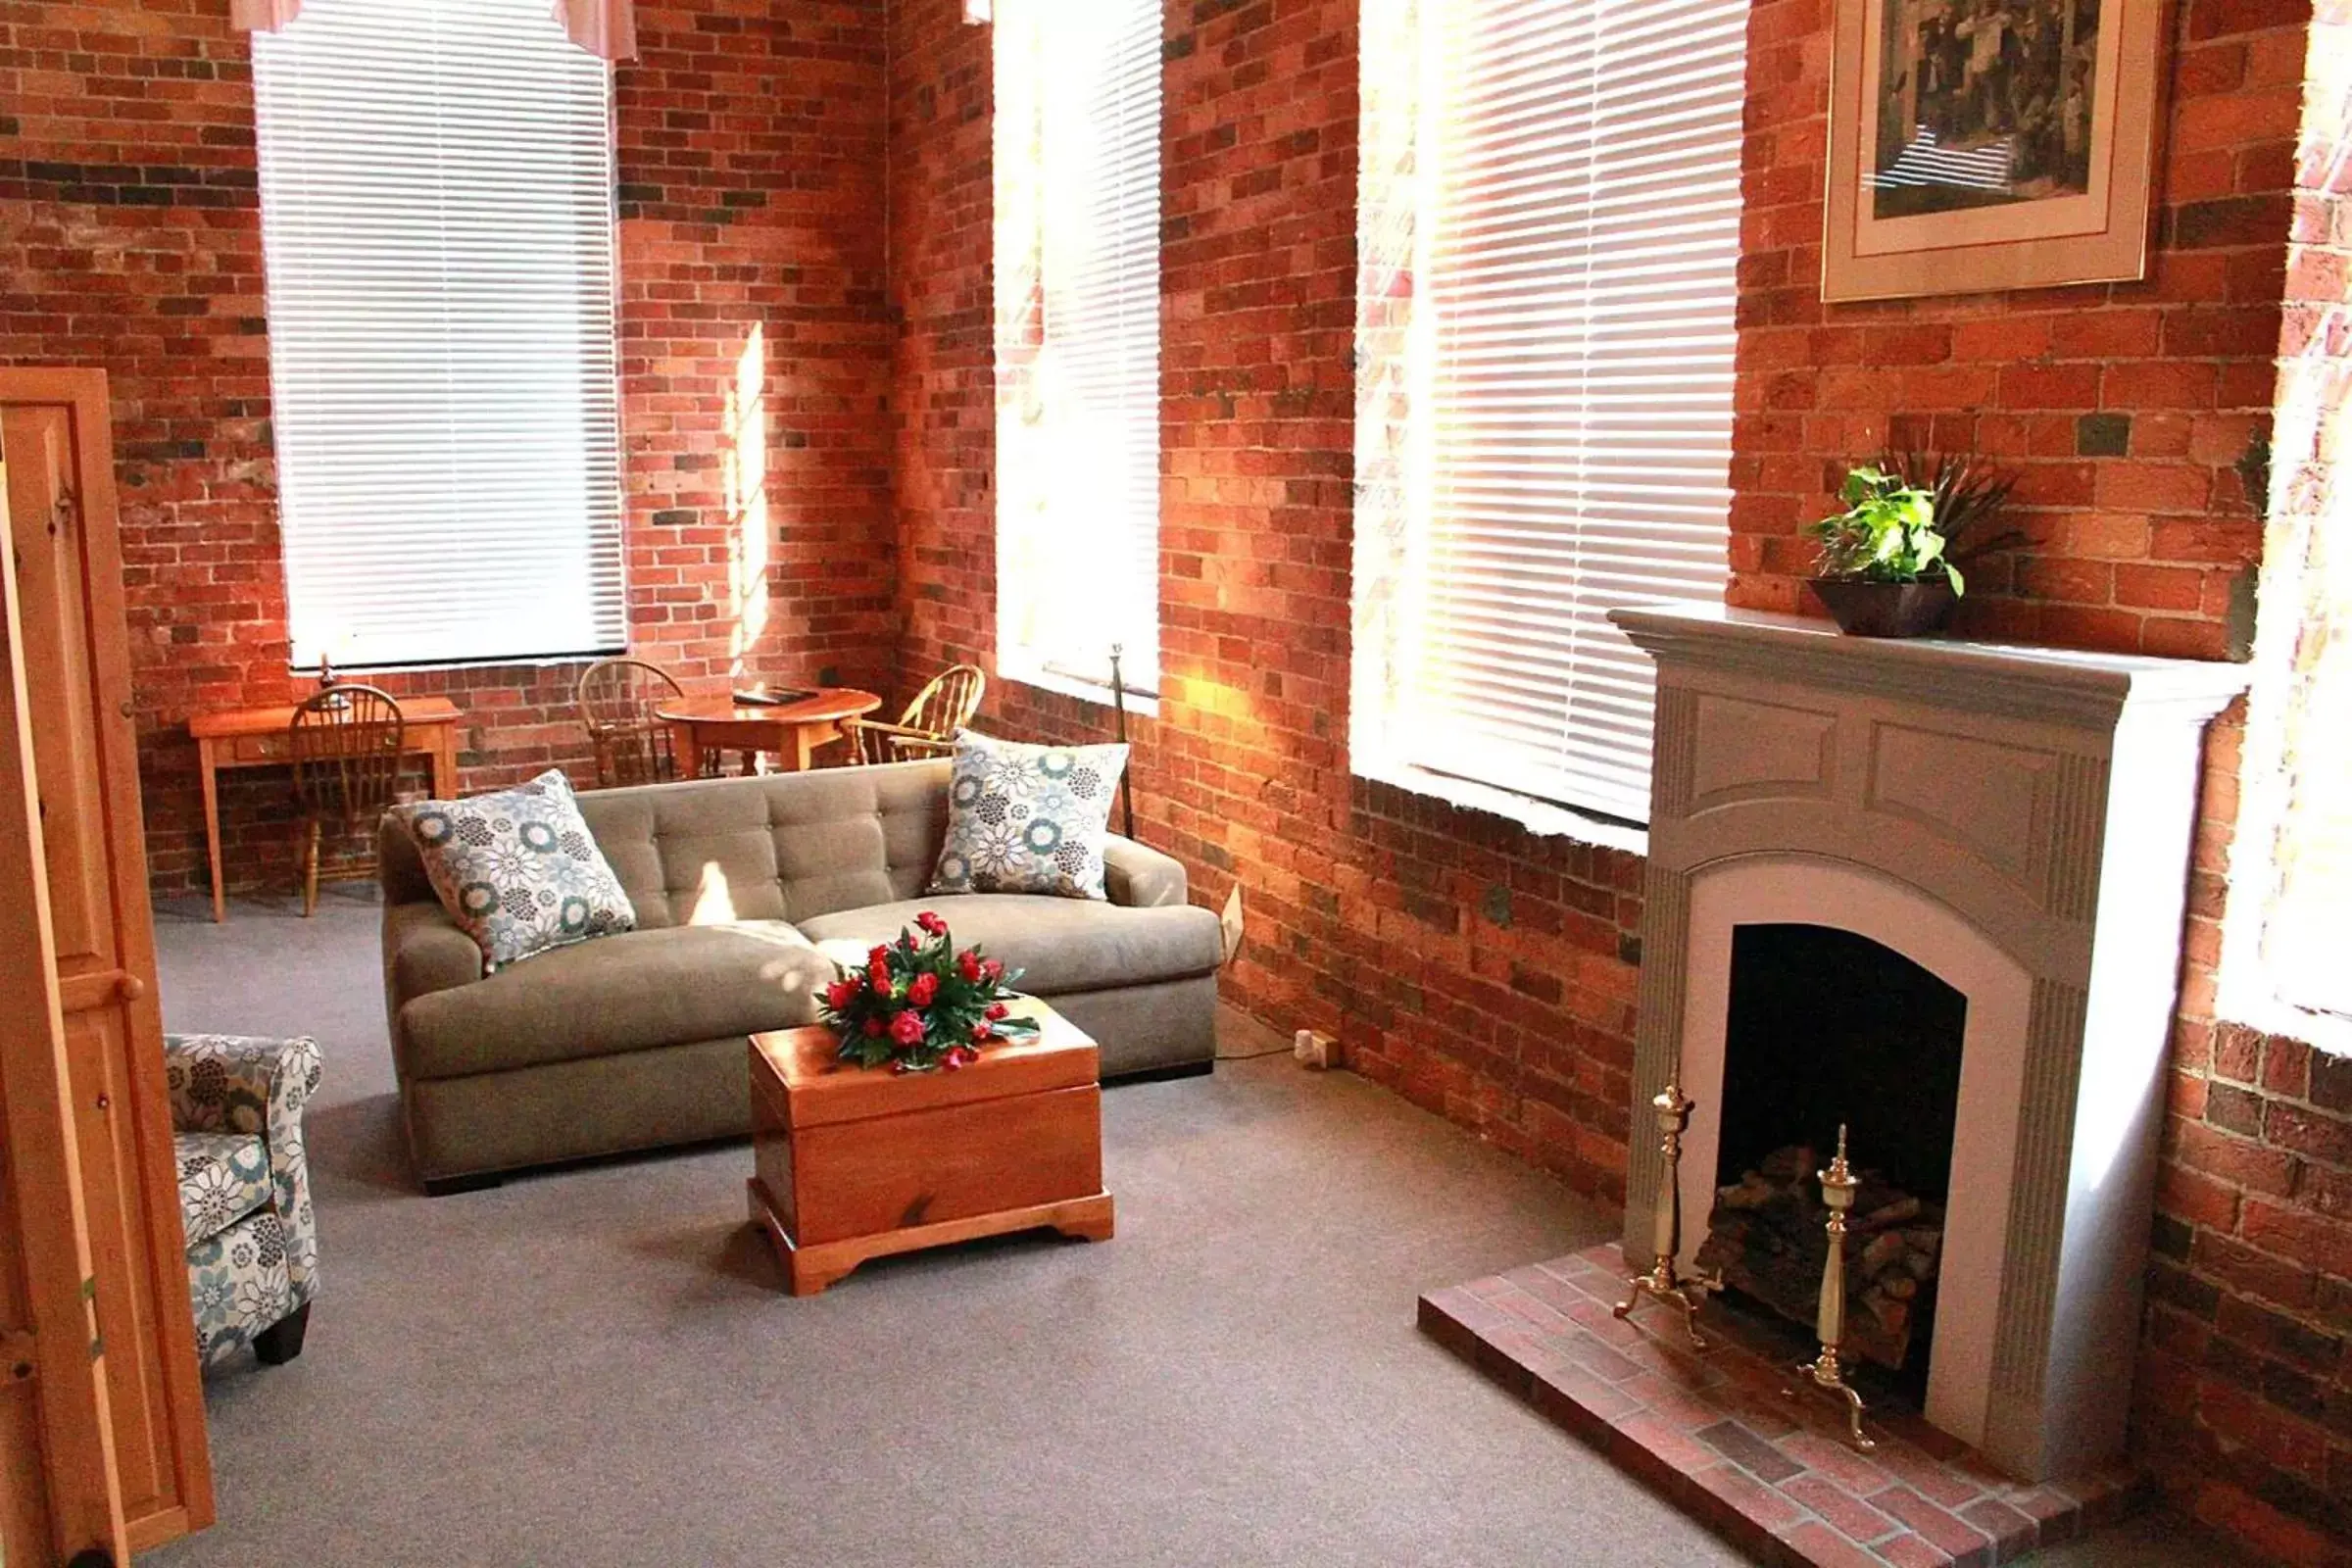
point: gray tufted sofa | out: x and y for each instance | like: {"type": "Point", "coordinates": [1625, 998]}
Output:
{"type": "Point", "coordinates": [746, 888]}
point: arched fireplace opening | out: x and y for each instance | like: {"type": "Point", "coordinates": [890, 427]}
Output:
{"type": "Point", "coordinates": [1828, 1028]}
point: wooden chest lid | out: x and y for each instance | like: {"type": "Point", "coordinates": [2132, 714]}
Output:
{"type": "Point", "coordinates": [819, 1087]}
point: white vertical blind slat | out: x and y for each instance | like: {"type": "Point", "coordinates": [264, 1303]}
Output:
{"type": "Point", "coordinates": [438, 233]}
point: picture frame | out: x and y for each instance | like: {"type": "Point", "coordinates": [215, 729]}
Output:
{"type": "Point", "coordinates": [1980, 145]}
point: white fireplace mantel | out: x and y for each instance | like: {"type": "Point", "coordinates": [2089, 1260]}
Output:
{"type": "Point", "coordinates": [2017, 819]}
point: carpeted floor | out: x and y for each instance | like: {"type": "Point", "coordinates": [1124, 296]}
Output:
{"type": "Point", "coordinates": [597, 1366]}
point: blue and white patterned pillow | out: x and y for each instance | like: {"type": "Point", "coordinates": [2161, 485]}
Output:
{"type": "Point", "coordinates": [518, 871]}
{"type": "Point", "coordinates": [1027, 818]}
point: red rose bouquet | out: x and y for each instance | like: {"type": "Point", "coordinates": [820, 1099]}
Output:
{"type": "Point", "coordinates": [918, 1003]}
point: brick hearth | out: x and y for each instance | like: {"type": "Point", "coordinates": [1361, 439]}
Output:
{"type": "Point", "coordinates": [1714, 1433]}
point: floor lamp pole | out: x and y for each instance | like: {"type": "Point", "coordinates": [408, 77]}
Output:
{"type": "Point", "coordinates": [1118, 702]}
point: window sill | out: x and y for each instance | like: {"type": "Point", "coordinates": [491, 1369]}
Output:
{"type": "Point", "coordinates": [1541, 818]}
{"type": "Point", "coordinates": [2255, 1006]}
{"type": "Point", "coordinates": [431, 667]}
{"type": "Point", "coordinates": [1140, 704]}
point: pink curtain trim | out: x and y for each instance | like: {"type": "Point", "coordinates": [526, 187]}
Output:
{"type": "Point", "coordinates": [262, 16]}
{"type": "Point", "coordinates": [607, 27]}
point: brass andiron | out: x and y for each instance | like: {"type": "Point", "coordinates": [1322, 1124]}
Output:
{"type": "Point", "coordinates": [1666, 1242]}
{"type": "Point", "coordinates": [1837, 1184]}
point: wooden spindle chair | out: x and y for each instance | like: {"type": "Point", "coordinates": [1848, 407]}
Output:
{"type": "Point", "coordinates": [617, 699]}
{"type": "Point", "coordinates": [928, 726]}
{"type": "Point", "coordinates": [345, 744]}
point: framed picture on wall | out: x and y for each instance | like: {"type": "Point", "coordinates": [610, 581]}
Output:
{"type": "Point", "coordinates": [1989, 145]}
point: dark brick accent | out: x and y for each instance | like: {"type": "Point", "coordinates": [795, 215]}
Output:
{"type": "Point", "coordinates": [2102, 435]}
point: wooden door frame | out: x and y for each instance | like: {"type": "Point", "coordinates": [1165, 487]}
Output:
{"type": "Point", "coordinates": [81, 1484]}
{"type": "Point", "coordinates": [85, 390]}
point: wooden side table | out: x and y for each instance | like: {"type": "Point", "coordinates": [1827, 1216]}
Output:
{"type": "Point", "coordinates": [255, 737]}
{"type": "Point", "coordinates": [792, 730]}
{"type": "Point", "coordinates": [855, 1163]}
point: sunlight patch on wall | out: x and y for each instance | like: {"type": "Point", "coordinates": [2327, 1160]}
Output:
{"type": "Point", "coordinates": [745, 476]}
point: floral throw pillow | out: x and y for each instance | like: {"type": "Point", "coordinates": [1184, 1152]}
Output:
{"type": "Point", "coordinates": [518, 871]}
{"type": "Point", "coordinates": [1027, 818]}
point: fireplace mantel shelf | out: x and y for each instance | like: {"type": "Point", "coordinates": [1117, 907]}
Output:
{"type": "Point", "coordinates": [2055, 683]}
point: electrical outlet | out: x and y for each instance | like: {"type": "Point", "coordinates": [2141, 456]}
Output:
{"type": "Point", "coordinates": [1316, 1051]}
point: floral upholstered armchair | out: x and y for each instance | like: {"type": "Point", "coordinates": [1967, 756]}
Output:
{"type": "Point", "coordinates": [245, 1188]}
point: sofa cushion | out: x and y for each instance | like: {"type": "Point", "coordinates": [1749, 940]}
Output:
{"type": "Point", "coordinates": [624, 993]}
{"type": "Point", "coordinates": [1026, 818]}
{"type": "Point", "coordinates": [518, 869]}
{"type": "Point", "coordinates": [780, 847]}
{"type": "Point", "coordinates": [222, 1178]}
{"type": "Point", "coordinates": [1058, 944]}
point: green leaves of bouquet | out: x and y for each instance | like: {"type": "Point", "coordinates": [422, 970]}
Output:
{"type": "Point", "coordinates": [919, 1004]}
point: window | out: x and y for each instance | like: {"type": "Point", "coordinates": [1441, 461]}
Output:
{"type": "Point", "coordinates": [437, 227]}
{"type": "Point", "coordinates": [1549, 229]}
{"type": "Point", "coordinates": [2289, 904]}
{"type": "Point", "coordinates": [1077, 311]}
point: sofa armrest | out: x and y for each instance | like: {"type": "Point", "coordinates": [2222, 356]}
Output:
{"type": "Point", "coordinates": [238, 1084]}
{"type": "Point", "coordinates": [399, 869]}
{"type": "Point", "coordinates": [424, 951]}
{"type": "Point", "coordinates": [1140, 876]}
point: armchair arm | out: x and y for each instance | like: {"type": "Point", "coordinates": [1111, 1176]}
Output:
{"type": "Point", "coordinates": [238, 1084]}
{"type": "Point", "coordinates": [1140, 876]}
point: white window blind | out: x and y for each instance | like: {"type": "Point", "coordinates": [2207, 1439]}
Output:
{"type": "Point", "coordinates": [438, 231]}
{"type": "Point", "coordinates": [1566, 385]}
{"type": "Point", "coordinates": [1077, 249]}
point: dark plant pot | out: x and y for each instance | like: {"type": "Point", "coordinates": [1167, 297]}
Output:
{"type": "Point", "coordinates": [1865, 609]}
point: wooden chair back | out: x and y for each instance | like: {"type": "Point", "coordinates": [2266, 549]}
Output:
{"type": "Point", "coordinates": [948, 703]}
{"type": "Point", "coordinates": [928, 726]}
{"type": "Point", "coordinates": [616, 700]}
{"type": "Point", "coordinates": [345, 744]}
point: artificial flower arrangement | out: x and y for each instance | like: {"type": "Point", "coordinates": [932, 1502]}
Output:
{"type": "Point", "coordinates": [919, 1004]}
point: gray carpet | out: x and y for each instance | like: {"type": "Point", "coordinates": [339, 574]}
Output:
{"type": "Point", "coordinates": [598, 1366]}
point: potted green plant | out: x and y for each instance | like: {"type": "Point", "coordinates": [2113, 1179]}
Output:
{"type": "Point", "coordinates": [1890, 564]}
{"type": "Point", "coordinates": [1968, 497]}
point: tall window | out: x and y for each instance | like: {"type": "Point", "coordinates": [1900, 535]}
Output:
{"type": "Point", "coordinates": [1550, 232]}
{"type": "Point", "coordinates": [2289, 907]}
{"type": "Point", "coordinates": [1077, 252]}
{"type": "Point", "coordinates": [437, 225]}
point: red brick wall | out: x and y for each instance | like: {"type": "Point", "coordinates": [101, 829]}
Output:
{"type": "Point", "coordinates": [751, 169]}
{"type": "Point", "coordinates": [1488, 973]}
{"type": "Point", "coordinates": [2138, 417]}
{"type": "Point", "coordinates": [942, 307]}
{"type": "Point", "coordinates": [750, 179]}
{"type": "Point", "coordinates": [2245, 1386]}
{"type": "Point", "coordinates": [1474, 967]}
{"type": "Point", "coordinates": [2134, 415]}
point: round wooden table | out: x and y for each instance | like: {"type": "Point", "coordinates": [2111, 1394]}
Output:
{"type": "Point", "coordinates": [705, 726]}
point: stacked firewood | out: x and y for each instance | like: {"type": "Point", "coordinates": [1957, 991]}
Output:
{"type": "Point", "coordinates": [1766, 1238]}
